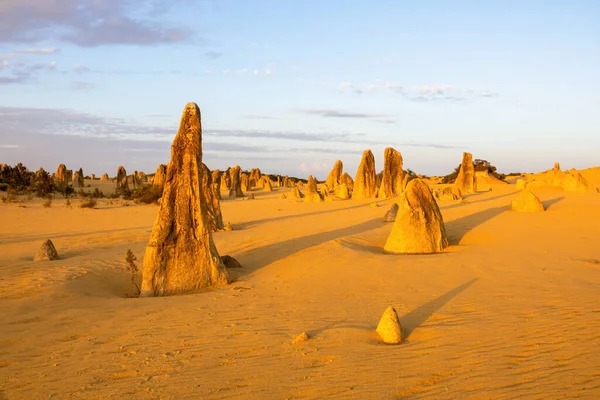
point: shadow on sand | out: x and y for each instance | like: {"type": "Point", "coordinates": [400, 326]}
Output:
{"type": "Point", "coordinates": [408, 322]}
{"type": "Point", "coordinates": [459, 227]}
{"type": "Point", "coordinates": [249, 224]}
{"type": "Point", "coordinates": [549, 203]}
{"type": "Point", "coordinates": [263, 256]}
{"type": "Point", "coordinates": [8, 239]}
{"type": "Point", "coordinates": [418, 316]}
{"type": "Point", "coordinates": [478, 201]}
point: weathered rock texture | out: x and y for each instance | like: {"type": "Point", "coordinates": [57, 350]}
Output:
{"type": "Point", "coordinates": [569, 181]}
{"type": "Point", "coordinates": [526, 201]}
{"type": "Point", "coordinates": [347, 180]}
{"type": "Point", "coordinates": [216, 177]}
{"type": "Point", "coordinates": [225, 181]}
{"type": "Point", "coordinates": [47, 252]}
{"type": "Point", "coordinates": [301, 338]}
{"type": "Point", "coordinates": [465, 180]}
{"type": "Point", "coordinates": [104, 177]}
{"type": "Point", "coordinates": [390, 215]}
{"type": "Point", "coordinates": [181, 256]}
{"type": "Point", "coordinates": [244, 182]}
{"type": "Point", "coordinates": [235, 190]}
{"type": "Point", "coordinates": [141, 178]}
{"type": "Point", "coordinates": [267, 186]}
{"type": "Point", "coordinates": [61, 177]}
{"type": "Point", "coordinates": [365, 184]}
{"type": "Point", "coordinates": [389, 329]}
{"type": "Point", "coordinates": [393, 174]}
{"type": "Point", "coordinates": [312, 195]}
{"type": "Point", "coordinates": [295, 193]}
{"type": "Point", "coordinates": [334, 179]}
{"type": "Point", "coordinates": [93, 177]}
{"type": "Point", "coordinates": [211, 199]}
{"type": "Point", "coordinates": [78, 181]}
{"type": "Point", "coordinates": [419, 226]}
{"type": "Point", "coordinates": [160, 175]}
{"type": "Point", "coordinates": [556, 167]}
{"type": "Point", "coordinates": [342, 192]}
{"type": "Point", "coordinates": [122, 179]}
{"type": "Point", "coordinates": [255, 176]}
{"type": "Point", "coordinates": [449, 193]}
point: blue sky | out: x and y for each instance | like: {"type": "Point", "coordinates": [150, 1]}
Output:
{"type": "Point", "coordinates": [292, 86]}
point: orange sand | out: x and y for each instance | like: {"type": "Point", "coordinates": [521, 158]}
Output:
{"type": "Point", "coordinates": [511, 309]}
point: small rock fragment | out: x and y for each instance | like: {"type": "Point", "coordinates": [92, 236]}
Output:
{"type": "Point", "coordinates": [390, 215]}
{"type": "Point", "coordinates": [301, 338]}
{"type": "Point", "coordinates": [230, 262]}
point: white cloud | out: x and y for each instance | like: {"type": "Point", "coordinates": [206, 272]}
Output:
{"type": "Point", "coordinates": [313, 167]}
{"type": "Point", "coordinates": [435, 89]}
{"type": "Point", "coordinates": [426, 93]}
{"type": "Point", "coordinates": [41, 50]}
{"type": "Point", "coordinates": [80, 68]}
{"type": "Point", "coordinates": [243, 71]}
{"type": "Point", "coordinates": [9, 146]}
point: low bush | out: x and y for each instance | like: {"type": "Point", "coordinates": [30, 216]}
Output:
{"type": "Point", "coordinates": [89, 203]}
{"type": "Point", "coordinates": [148, 194]}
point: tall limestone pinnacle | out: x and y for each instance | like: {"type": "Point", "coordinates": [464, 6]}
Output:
{"type": "Point", "coordinates": [466, 181]}
{"type": "Point", "coordinates": [334, 179]}
{"type": "Point", "coordinates": [393, 175]}
{"type": "Point", "coordinates": [419, 226]}
{"type": "Point", "coordinates": [181, 256]}
{"type": "Point", "coordinates": [365, 184]}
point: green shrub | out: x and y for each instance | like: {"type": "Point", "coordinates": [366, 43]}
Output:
{"type": "Point", "coordinates": [97, 194]}
{"type": "Point", "coordinates": [147, 194]}
{"type": "Point", "coordinates": [130, 259]}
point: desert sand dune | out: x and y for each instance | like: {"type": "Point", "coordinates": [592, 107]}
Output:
{"type": "Point", "coordinates": [509, 309]}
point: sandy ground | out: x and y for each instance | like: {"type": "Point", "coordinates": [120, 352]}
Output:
{"type": "Point", "coordinates": [510, 310]}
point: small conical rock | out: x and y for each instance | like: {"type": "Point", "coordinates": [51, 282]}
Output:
{"type": "Point", "coordinates": [389, 329]}
{"type": "Point", "coordinates": [47, 252]}
{"type": "Point", "coordinates": [301, 338]}
{"type": "Point", "coordinates": [526, 201]}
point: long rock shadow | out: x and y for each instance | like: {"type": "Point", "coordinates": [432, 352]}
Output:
{"type": "Point", "coordinates": [549, 203]}
{"type": "Point", "coordinates": [478, 201]}
{"type": "Point", "coordinates": [459, 227]}
{"type": "Point", "coordinates": [263, 256]}
{"type": "Point", "coordinates": [249, 224]}
{"type": "Point", "coordinates": [8, 239]}
{"type": "Point", "coordinates": [418, 316]}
